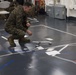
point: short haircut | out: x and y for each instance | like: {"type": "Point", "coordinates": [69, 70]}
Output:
{"type": "Point", "coordinates": [27, 4]}
{"type": "Point", "coordinates": [21, 2]}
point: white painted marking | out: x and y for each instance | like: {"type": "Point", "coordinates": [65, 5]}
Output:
{"type": "Point", "coordinates": [6, 55]}
{"type": "Point", "coordinates": [50, 49]}
{"type": "Point", "coordinates": [60, 30]}
{"type": "Point", "coordinates": [18, 47]}
{"type": "Point", "coordinates": [53, 53]}
{"type": "Point", "coordinates": [30, 26]}
{"type": "Point", "coordinates": [4, 37]}
{"type": "Point", "coordinates": [63, 48]}
{"type": "Point", "coordinates": [41, 42]}
{"type": "Point", "coordinates": [65, 45]}
{"type": "Point", "coordinates": [16, 41]}
{"type": "Point", "coordinates": [30, 47]}
{"type": "Point", "coordinates": [49, 39]}
{"type": "Point", "coordinates": [65, 59]}
{"type": "Point", "coordinates": [54, 56]}
{"type": "Point", "coordinates": [55, 29]}
{"type": "Point", "coordinates": [40, 48]}
{"type": "Point", "coordinates": [70, 44]}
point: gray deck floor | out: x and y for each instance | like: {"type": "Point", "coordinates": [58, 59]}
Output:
{"type": "Point", "coordinates": [41, 62]}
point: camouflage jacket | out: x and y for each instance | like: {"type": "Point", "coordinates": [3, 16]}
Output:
{"type": "Point", "coordinates": [17, 18]}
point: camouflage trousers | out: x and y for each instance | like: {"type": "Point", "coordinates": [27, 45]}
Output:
{"type": "Point", "coordinates": [16, 33]}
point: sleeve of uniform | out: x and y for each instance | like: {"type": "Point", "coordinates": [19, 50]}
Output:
{"type": "Point", "coordinates": [19, 21]}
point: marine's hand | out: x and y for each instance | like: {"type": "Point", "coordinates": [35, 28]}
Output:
{"type": "Point", "coordinates": [29, 32]}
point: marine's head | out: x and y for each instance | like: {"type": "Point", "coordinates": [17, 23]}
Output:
{"type": "Point", "coordinates": [27, 7]}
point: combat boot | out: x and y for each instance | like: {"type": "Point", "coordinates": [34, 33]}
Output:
{"type": "Point", "coordinates": [11, 41]}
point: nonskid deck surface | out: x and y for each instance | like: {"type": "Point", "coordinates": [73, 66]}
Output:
{"type": "Point", "coordinates": [39, 57]}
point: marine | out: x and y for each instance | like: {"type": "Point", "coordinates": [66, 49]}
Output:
{"type": "Point", "coordinates": [17, 24]}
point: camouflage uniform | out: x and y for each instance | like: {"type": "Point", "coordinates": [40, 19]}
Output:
{"type": "Point", "coordinates": [16, 23]}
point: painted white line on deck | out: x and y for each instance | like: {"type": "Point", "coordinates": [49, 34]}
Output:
{"type": "Point", "coordinates": [59, 30]}
{"type": "Point", "coordinates": [47, 51]}
{"type": "Point", "coordinates": [41, 42]}
{"type": "Point", "coordinates": [53, 47]}
{"type": "Point", "coordinates": [8, 54]}
{"type": "Point", "coordinates": [48, 47]}
{"type": "Point", "coordinates": [65, 59]}
{"type": "Point", "coordinates": [70, 44]}
{"type": "Point", "coordinates": [52, 53]}
{"type": "Point", "coordinates": [40, 48]}
{"type": "Point", "coordinates": [53, 29]}
{"type": "Point", "coordinates": [18, 47]}
{"type": "Point", "coordinates": [55, 52]}
{"type": "Point", "coordinates": [49, 39]}
{"type": "Point", "coordinates": [4, 37]}
{"type": "Point", "coordinates": [63, 48]}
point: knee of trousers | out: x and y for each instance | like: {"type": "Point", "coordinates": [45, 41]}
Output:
{"type": "Point", "coordinates": [20, 33]}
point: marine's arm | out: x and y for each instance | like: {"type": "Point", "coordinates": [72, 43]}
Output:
{"type": "Point", "coordinates": [19, 21]}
